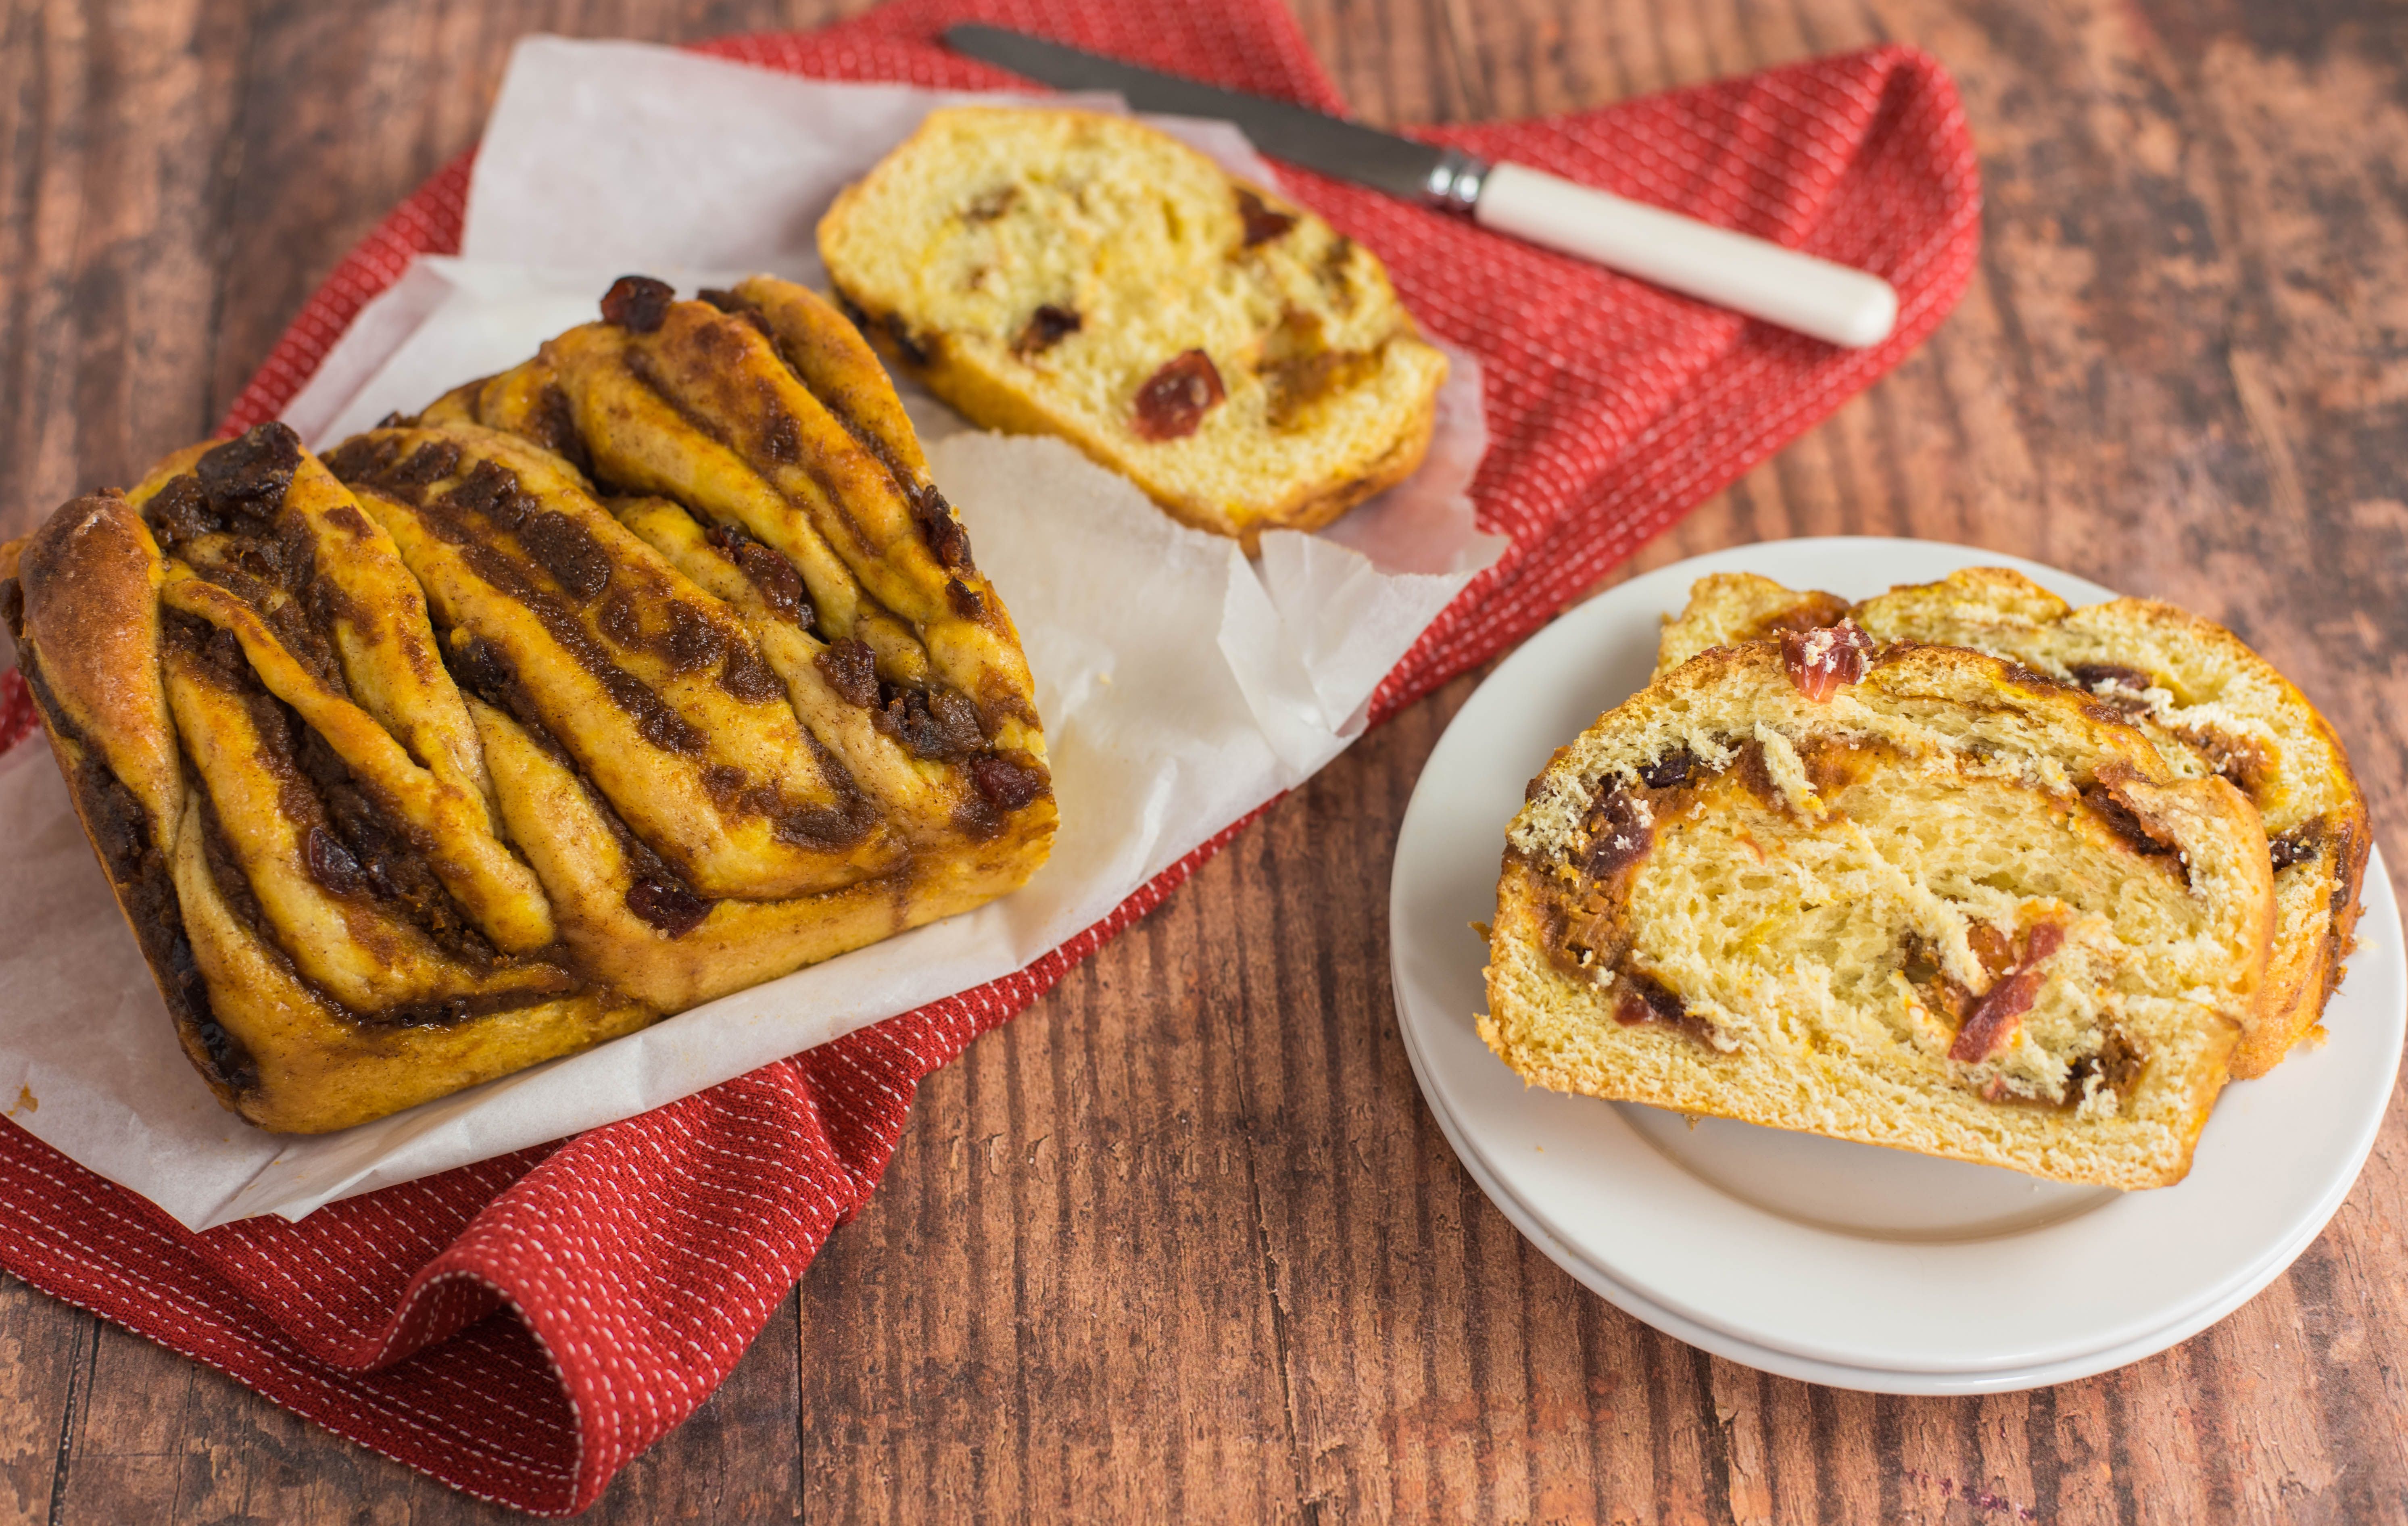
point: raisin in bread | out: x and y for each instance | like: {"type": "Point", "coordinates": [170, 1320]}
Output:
{"type": "Point", "coordinates": [646, 671]}
{"type": "Point", "coordinates": [1074, 273]}
{"type": "Point", "coordinates": [2210, 704]}
{"type": "Point", "coordinates": [1914, 897]}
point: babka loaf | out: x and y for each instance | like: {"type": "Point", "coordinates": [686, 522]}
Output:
{"type": "Point", "coordinates": [1911, 895]}
{"type": "Point", "coordinates": [1074, 273]}
{"type": "Point", "coordinates": [2209, 704]}
{"type": "Point", "coordinates": [645, 672]}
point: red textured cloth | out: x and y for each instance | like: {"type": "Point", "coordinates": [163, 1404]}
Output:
{"type": "Point", "coordinates": [629, 1267]}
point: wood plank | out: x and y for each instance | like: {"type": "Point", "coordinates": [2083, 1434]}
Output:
{"type": "Point", "coordinates": [44, 1378]}
{"type": "Point", "coordinates": [127, 1458]}
{"type": "Point", "coordinates": [111, 235]}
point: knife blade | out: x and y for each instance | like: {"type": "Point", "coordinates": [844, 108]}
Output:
{"type": "Point", "coordinates": [1828, 301]}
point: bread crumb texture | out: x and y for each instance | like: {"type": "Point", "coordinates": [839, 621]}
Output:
{"type": "Point", "coordinates": [1955, 908]}
{"type": "Point", "coordinates": [2209, 705]}
{"type": "Point", "coordinates": [1081, 275]}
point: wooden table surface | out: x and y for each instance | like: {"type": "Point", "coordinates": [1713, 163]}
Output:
{"type": "Point", "coordinates": [1183, 1241]}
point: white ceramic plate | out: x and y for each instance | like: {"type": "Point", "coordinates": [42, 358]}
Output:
{"type": "Point", "coordinates": [1838, 1262]}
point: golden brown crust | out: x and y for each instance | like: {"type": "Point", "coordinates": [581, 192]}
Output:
{"type": "Point", "coordinates": [90, 578]}
{"type": "Point", "coordinates": [1318, 504]}
{"type": "Point", "coordinates": [831, 358]}
{"type": "Point", "coordinates": [140, 876]}
{"type": "Point", "coordinates": [2306, 971]}
{"type": "Point", "coordinates": [314, 1066]}
{"type": "Point", "coordinates": [725, 783]}
{"type": "Point", "coordinates": [100, 576]}
{"type": "Point", "coordinates": [740, 943]}
{"type": "Point", "coordinates": [408, 787]}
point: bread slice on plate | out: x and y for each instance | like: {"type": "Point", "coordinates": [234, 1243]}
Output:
{"type": "Point", "coordinates": [1913, 896]}
{"type": "Point", "coordinates": [1070, 273]}
{"type": "Point", "coordinates": [2209, 704]}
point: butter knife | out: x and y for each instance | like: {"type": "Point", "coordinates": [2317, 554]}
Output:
{"type": "Point", "coordinates": [1753, 275]}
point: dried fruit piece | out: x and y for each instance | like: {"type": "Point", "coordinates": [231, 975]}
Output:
{"type": "Point", "coordinates": [1813, 610]}
{"type": "Point", "coordinates": [781, 586]}
{"type": "Point", "coordinates": [671, 907]}
{"type": "Point", "coordinates": [1006, 784]}
{"type": "Point", "coordinates": [1044, 330]}
{"type": "Point", "coordinates": [1671, 769]}
{"type": "Point", "coordinates": [934, 724]}
{"type": "Point", "coordinates": [2300, 844]}
{"type": "Point", "coordinates": [988, 205]}
{"type": "Point", "coordinates": [179, 512]}
{"type": "Point", "coordinates": [1263, 223]}
{"type": "Point", "coordinates": [1995, 1018]}
{"type": "Point", "coordinates": [1648, 1000]}
{"type": "Point", "coordinates": [1920, 962]}
{"type": "Point", "coordinates": [1621, 831]}
{"type": "Point", "coordinates": [251, 471]}
{"type": "Point", "coordinates": [1174, 400]}
{"type": "Point", "coordinates": [331, 863]}
{"type": "Point", "coordinates": [1821, 660]}
{"type": "Point", "coordinates": [947, 541]}
{"type": "Point", "coordinates": [2117, 1064]}
{"type": "Point", "coordinates": [2115, 682]}
{"type": "Point", "coordinates": [852, 670]}
{"type": "Point", "coordinates": [2116, 815]}
{"type": "Point", "coordinates": [638, 303]}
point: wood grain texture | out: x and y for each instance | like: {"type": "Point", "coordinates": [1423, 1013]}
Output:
{"type": "Point", "coordinates": [1183, 1241]}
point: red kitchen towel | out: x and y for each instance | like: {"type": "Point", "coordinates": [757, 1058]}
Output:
{"type": "Point", "coordinates": [625, 1269]}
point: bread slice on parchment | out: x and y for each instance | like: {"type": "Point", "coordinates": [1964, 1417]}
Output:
{"type": "Point", "coordinates": [2210, 704]}
{"type": "Point", "coordinates": [1913, 896]}
{"type": "Point", "coordinates": [1070, 273]}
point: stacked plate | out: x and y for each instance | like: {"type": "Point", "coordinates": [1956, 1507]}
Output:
{"type": "Point", "coordinates": [1816, 1258]}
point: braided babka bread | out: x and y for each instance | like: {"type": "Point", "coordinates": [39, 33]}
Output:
{"type": "Point", "coordinates": [649, 670]}
{"type": "Point", "coordinates": [2209, 704]}
{"type": "Point", "coordinates": [1069, 273]}
{"type": "Point", "coordinates": [1913, 896]}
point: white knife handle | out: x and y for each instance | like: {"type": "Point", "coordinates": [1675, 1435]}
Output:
{"type": "Point", "coordinates": [1752, 275]}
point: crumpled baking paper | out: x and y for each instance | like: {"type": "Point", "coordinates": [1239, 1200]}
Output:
{"type": "Point", "coordinates": [1182, 685]}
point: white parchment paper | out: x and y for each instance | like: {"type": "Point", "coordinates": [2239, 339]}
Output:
{"type": "Point", "coordinates": [1181, 684]}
